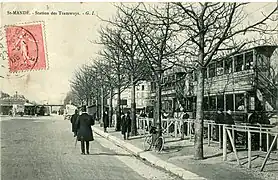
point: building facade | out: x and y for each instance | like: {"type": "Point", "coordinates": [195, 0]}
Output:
{"type": "Point", "coordinates": [241, 83]}
{"type": "Point", "coordinates": [142, 95]}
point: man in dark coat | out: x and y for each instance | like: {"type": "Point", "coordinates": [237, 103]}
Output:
{"type": "Point", "coordinates": [184, 129]}
{"type": "Point", "coordinates": [126, 125]}
{"type": "Point", "coordinates": [219, 119]}
{"type": "Point", "coordinates": [105, 120]}
{"type": "Point", "coordinates": [84, 129]}
{"type": "Point", "coordinates": [73, 120]}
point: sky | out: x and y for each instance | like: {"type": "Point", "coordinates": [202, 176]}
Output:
{"type": "Point", "coordinates": [68, 45]}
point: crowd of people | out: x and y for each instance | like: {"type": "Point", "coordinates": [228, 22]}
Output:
{"type": "Point", "coordinates": [81, 125]}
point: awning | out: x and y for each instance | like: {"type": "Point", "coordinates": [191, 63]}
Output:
{"type": "Point", "coordinates": [28, 104]}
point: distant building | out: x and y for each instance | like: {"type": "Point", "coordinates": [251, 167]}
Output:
{"type": "Point", "coordinates": [142, 94]}
{"type": "Point", "coordinates": [6, 103]}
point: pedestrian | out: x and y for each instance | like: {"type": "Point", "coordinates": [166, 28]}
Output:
{"type": "Point", "coordinates": [184, 128]}
{"type": "Point", "coordinates": [126, 125]}
{"type": "Point", "coordinates": [229, 121]}
{"type": "Point", "coordinates": [105, 120]}
{"type": "Point", "coordinates": [73, 120]}
{"type": "Point", "coordinates": [84, 129]}
{"type": "Point", "coordinates": [219, 119]}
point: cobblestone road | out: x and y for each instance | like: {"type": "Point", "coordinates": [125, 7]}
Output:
{"type": "Point", "coordinates": [43, 148]}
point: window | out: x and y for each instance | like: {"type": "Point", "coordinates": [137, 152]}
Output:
{"type": "Point", "coordinates": [229, 102]}
{"type": "Point", "coordinates": [228, 66]}
{"type": "Point", "coordinates": [194, 102]}
{"type": "Point", "coordinates": [262, 62]}
{"type": "Point", "coordinates": [212, 103]}
{"type": "Point", "coordinates": [220, 102]}
{"type": "Point", "coordinates": [251, 103]}
{"type": "Point", "coordinates": [219, 68]}
{"type": "Point", "coordinates": [153, 86]}
{"type": "Point", "coordinates": [143, 87]}
{"type": "Point", "coordinates": [248, 60]}
{"type": "Point", "coordinates": [239, 102]}
{"type": "Point", "coordinates": [212, 70]}
{"type": "Point", "coordinates": [195, 76]}
{"type": "Point", "coordinates": [206, 103]}
{"type": "Point", "coordinates": [188, 103]}
{"type": "Point", "coordinates": [238, 63]}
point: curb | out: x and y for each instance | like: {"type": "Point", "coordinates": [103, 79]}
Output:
{"type": "Point", "coordinates": [145, 155]}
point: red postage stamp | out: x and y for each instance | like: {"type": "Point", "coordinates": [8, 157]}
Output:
{"type": "Point", "coordinates": [26, 48]}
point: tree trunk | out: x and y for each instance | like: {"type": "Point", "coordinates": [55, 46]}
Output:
{"type": "Point", "coordinates": [118, 119]}
{"type": "Point", "coordinates": [133, 109]}
{"type": "Point", "coordinates": [110, 107]}
{"type": "Point", "coordinates": [157, 117]}
{"type": "Point", "coordinates": [97, 107]}
{"type": "Point", "coordinates": [199, 123]}
{"type": "Point", "coordinates": [102, 106]}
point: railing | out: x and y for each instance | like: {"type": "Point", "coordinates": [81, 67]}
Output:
{"type": "Point", "coordinates": [230, 132]}
{"type": "Point", "coordinates": [249, 129]}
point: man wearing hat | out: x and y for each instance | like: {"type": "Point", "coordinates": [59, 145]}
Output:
{"type": "Point", "coordinates": [219, 119]}
{"type": "Point", "coordinates": [84, 129]}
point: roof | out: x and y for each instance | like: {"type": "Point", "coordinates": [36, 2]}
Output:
{"type": "Point", "coordinates": [28, 104]}
{"type": "Point", "coordinates": [9, 101]}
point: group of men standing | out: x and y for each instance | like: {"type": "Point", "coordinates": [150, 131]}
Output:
{"type": "Point", "coordinates": [222, 118]}
{"type": "Point", "coordinates": [125, 123]}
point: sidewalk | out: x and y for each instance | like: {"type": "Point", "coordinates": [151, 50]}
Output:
{"type": "Point", "coordinates": [177, 157]}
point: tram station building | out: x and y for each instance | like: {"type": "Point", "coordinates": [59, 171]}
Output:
{"type": "Point", "coordinates": [242, 83]}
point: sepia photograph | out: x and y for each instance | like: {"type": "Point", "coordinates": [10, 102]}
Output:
{"type": "Point", "coordinates": [139, 90]}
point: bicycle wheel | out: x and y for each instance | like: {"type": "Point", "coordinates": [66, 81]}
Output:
{"type": "Point", "coordinates": [148, 143]}
{"type": "Point", "coordinates": [159, 144]}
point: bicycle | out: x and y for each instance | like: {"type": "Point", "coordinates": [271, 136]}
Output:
{"type": "Point", "coordinates": [157, 143]}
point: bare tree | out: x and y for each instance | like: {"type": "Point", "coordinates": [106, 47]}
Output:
{"type": "Point", "coordinates": [155, 37]}
{"type": "Point", "coordinates": [122, 37]}
{"type": "Point", "coordinates": [81, 84]}
{"type": "Point", "coordinates": [211, 30]}
{"type": "Point", "coordinates": [114, 58]}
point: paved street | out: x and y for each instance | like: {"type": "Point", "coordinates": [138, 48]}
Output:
{"type": "Point", "coordinates": [43, 148]}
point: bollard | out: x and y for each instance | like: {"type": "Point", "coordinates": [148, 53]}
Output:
{"type": "Point", "coordinates": [220, 139]}
{"type": "Point", "coordinates": [176, 129]}
{"type": "Point", "coordinates": [167, 123]}
{"type": "Point", "coordinates": [267, 140]}
{"type": "Point", "coordinates": [233, 133]}
{"type": "Point", "coordinates": [260, 137]}
{"type": "Point", "coordinates": [208, 134]}
{"type": "Point", "coordinates": [249, 149]}
{"type": "Point", "coordinates": [224, 143]}
{"type": "Point", "coordinates": [190, 126]}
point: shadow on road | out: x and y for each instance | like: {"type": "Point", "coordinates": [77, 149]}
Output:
{"type": "Point", "coordinates": [214, 155]}
{"type": "Point", "coordinates": [107, 154]}
{"type": "Point", "coordinates": [171, 149]}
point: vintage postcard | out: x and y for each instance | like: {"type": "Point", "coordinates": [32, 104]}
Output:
{"type": "Point", "coordinates": [94, 90]}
